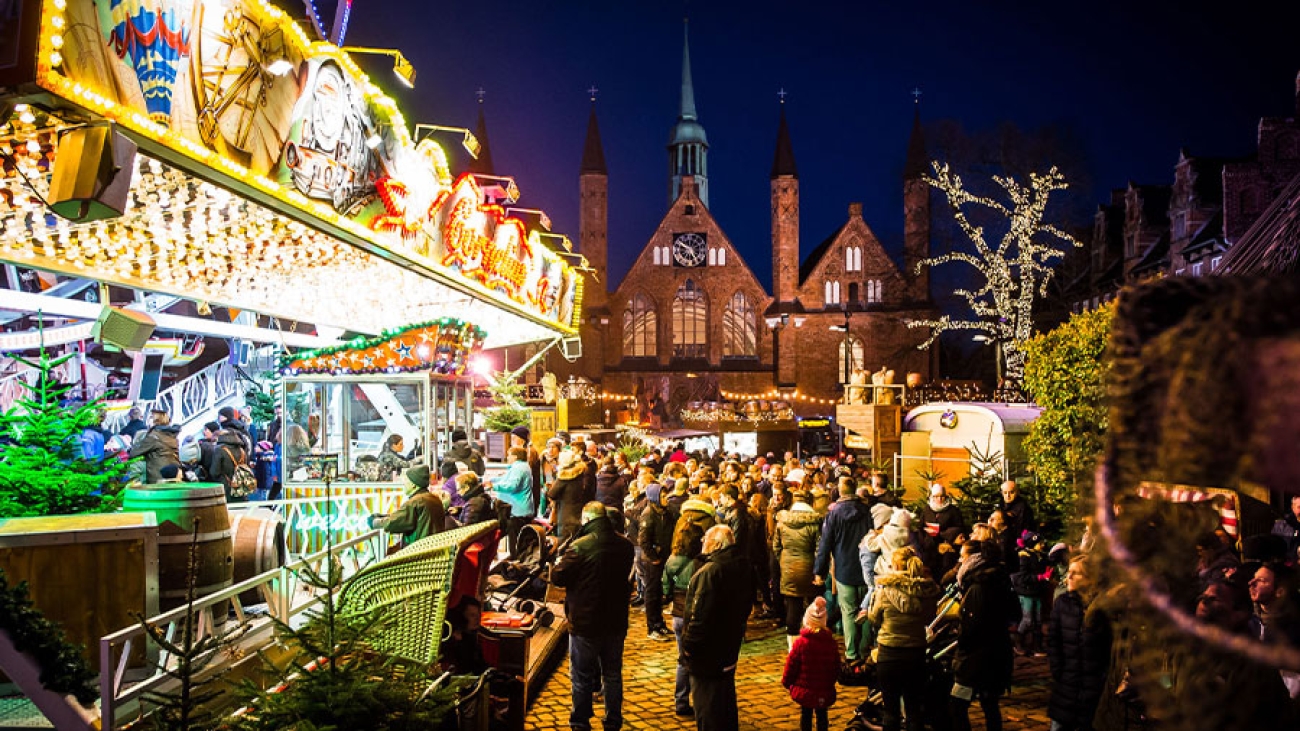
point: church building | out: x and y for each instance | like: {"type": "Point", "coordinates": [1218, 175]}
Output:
{"type": "Point", "coordinates": [690, 322]}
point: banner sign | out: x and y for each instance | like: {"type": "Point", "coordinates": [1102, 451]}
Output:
{"type": "Point", "coordinates": [236, 86]}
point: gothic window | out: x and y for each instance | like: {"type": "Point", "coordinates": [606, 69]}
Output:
{"type": "Point", "coordinates": [853, 354]}
{"type": "Point", "coordinates": [832, 292]}
{"type": "Point", "coordinates": [640, 325]}
{"type": "Point", "coordinates": [857, 258]}
{"type": "Point", "coordinates": [739, 328]}
{"type": "Point", "coordinates": [658, 261]}
{"type": "Point", "coordinates": [848, 258]}
{"type": "Point", "coordinates": [690, 322]}
{"type": "Point", "coordinates": [835, 290]}
{"type": "Point", "coordinates": [722, 256]}
{"type": "Point", "coordinates": [663, 256]}
{"type": "Point", "coordinates": [713, 257]}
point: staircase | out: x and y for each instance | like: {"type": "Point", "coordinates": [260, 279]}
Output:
{"type": "Point", "coordinates": [193, 401]}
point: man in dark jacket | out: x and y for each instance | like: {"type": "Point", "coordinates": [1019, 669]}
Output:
{"type": "Point", "coordinates": [1019, 517]}
{"type": "Point", "coordinates": [228, 454]}
{"type": "Point", "coordinates": [229, 420]}
{"type": "Point", "coordinates": [462, 451]}
{"type": "Point", "coordinates": [594, 572]}
{"type": "Point", "coordinates": [134, 424]}
{"type": "Point", "coordinates": [655, 540]}
{"type": "Point", "coordinates": [717, 606]}
{"type": "Point", "coordinates": [846, 524]}
{"type": "Point", "coordinates": [982, 665]}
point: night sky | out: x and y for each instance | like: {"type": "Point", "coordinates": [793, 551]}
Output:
{"type": "Point", "coordinates": [1132, 81]}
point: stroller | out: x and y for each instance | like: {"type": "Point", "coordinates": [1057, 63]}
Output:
{"type": "Point", "coordinates": [941, 645]}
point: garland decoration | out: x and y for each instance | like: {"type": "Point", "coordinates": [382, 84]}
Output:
{"type": "Point", "coordinates": [443, 346]}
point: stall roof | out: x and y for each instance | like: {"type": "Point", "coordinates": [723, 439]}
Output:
{"type": "Point", "coordinates": [682, 433]}
{"type": "Point", "coordinates": [1013, 418]}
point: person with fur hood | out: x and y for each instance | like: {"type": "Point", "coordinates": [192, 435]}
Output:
{"type": "Point", "coordinates": [903, 606]}
{"type": "Point", "coordinates": [566, 493]}
{"type": "Point", "coordinates": [869, 558]}
{"type": "Point", "coordinates": [794, 545]}
{"type": "Point", "coordinates": [812, 668]}
{"type": "Point", "coordinates": [895, 535]}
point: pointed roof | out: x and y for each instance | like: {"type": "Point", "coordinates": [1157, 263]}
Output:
{"type": "Point", "coordinates": [593, 153]}
{"type": "Point", "coordinates": [916, 164]}
{"type": "Point", "coordinates": [688, 89]}
{"type": "Point", "coordinates": [783, 162]}
{"type": "Point", "coordinates": [688, 128]}
{"type": "Point", "coordinates": [483, 164]}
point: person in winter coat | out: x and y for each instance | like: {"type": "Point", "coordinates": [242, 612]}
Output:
{"type": "Point", "coordinates": [227, 454]}
{"type": "Point", "coordinates": [515, 489]}
{"type": "Point", "coordinates": [794, 544]}
{"type": "Point", "coordinates": [566, 493]}
{"type": "Point", "coordinates": [1032, 582]}
{"type": "Point", "coordinates": [896, 534]}
{"type": "Point", "coordinates": [688, 541]}
{"type": "Point", "coordinates": [901, 609]}
{"type": "Point", "coordinates": [846, 524]}
{"type": "Point", "coordinates": [462, 451]}
{"type": "Point", "coordinates": [594, 573]}
{"type": "Point", "coordinates": [611, 484]}
{"type": "Point", "coordinates": [391, 461]}
{"type": "Point", "coordinates": [522, 436]}
{"type": "Point", "coordinates": [869, 559]}
{"type": "Point", "coordinates": [655, 540]}
{"type": "Point", "coordinates": [734, 513]}
{"type": "Point", "coordinates": [717, 607]}
{"type": "Point", "coordinates": [1078, 651]}
{"type": "Point", "coordinates": [940, 513]}
{"type": "Point", "coordinates": [229, 419]}
{"type": "Point", "coordinates": [1017, 517]}
{"type": "Point", "coordinates": [982, 665]}
{"type": "Point", "coordinates": [159, 446]}
{"type": "Point", "coordinates": [421, 516]}
{"type": "Point", "coordinates": [812, 668]}
{"type": "Point", "coordinates": [478, 506]}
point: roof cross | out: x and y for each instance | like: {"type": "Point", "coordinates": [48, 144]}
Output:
{"type": "Point", "coordinates": [480, 94]}
{"type": "Point", "coordinates": [593, 91]}
{"type": "Point", "coordinates": [916, 94]}
{"type": "Point", "coordinates": [782, 94]}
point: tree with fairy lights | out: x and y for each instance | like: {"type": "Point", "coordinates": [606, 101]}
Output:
{"type": "Point", "coordinates": [43, 467]}
{"type": "Point", "coordinates": [1015, 269]}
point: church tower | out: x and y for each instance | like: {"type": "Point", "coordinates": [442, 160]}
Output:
{"type": "Point", "coordinates": [916, 213]}
{"type": "Point", "coordinates": [785, 251]}
{"type": "Point", "coordinates": [593, 221]}
{"type": "Point", "coordinates": [688, 148]}
{"type": "Point", "coordinates": [482, 164]}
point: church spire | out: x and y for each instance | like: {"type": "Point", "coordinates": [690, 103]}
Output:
{"type": "Point", "coordinates": [482, 165]}
{"type": "Point", "coordinates": [688, 147]}
{"type": "Point", "coordinates": [916, 166]}
{"type": "Point", "coordinates": [687, 111]}
{"type": "Point", "coordinates": [783, 162]}
{"type": "Point", "coordinates": [593, 152]}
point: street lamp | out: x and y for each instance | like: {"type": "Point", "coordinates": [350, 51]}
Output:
{"type": "Point", "coordinates": [401, 67]}
{"type": "Point", "coordinates": [997, 355]}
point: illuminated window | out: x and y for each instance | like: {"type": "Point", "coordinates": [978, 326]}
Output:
{"type": "Point", "coordinates": [832, 293]}
{"type": "Point", "coordinates": [739, 328]}
{"type": "Point", "coordinates": [722, 257]}
{"type": "Point", "coordinates": [690, 322]}
{"type": "Point", "coordinates": [1214, 263]}
{"type": "Point", "coordinates": [658, 261]}
{"type": "Point", "coordinates": [1196, 269]}
{"type": "Point", "coordinates": [639, 328]}
{"type": "Point", "coordinates": [853, 354]}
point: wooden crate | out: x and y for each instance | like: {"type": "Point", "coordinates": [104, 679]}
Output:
{"type": "Point", "coordinates": [93, 573]}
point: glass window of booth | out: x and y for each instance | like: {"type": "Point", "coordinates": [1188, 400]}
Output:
{"type": "Point", "coordinates": [355, 419]}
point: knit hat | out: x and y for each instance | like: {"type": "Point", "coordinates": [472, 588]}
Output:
{"type": "Point", "coordinates": [522, 432]}
{"type": "Point", "coordinates": [459, 435]}
{"type": "Point", "coordinates": [448, 469]}
{"type": "Point", "coordinates": [700, 505]}
{"type": "Point", "coordinates": [901, 519]}
{"type": "Point", "coordinates": [653, 491]}
{"type": "Point", "coordinates": [419, 476]}
{"type": "Point", "coordinates": [815, 616]}
{"type": "Point", "coordinates": [880, 515]}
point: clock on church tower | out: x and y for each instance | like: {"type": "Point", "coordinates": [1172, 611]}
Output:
{"type": "Point", "coordinates": [689, 249]}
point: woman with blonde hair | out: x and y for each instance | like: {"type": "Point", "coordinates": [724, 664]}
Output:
{"type": "Point", "coordinates": [901, 609]}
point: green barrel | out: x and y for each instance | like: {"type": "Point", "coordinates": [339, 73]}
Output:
{"type": "Point", "coordinates": [177, 506]}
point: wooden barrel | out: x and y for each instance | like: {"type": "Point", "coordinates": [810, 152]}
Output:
{"type": "Point", "coordinates": [177, 506]}
{"type": "Point", "coordinates": [258, 547]}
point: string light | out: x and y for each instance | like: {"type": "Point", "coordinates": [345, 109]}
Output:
{"type": "Point", "coordinates": [444, 346]}
{"type": "Point", "coordinates": [1016, 270]}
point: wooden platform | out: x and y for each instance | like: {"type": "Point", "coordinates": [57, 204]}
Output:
{"type": "Point", "coordinates": [530, 659]}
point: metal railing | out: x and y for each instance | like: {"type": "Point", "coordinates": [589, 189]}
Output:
{"type": "Point", "coordinates": [189, 398]}
{"type": "Point", "coordinates": [11, 384]}
{"type": "Point", "coordinates": [310, 521]}
{"type": "Point", "coordinates": [287, 597]}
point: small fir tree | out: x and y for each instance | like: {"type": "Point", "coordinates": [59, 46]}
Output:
{"type": "Point", "coordinates": [510, 411]}
{"type": "Point", "coordinates": [43, 470]}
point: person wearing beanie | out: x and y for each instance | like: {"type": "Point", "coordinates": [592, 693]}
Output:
{"type": "Point", "coordinates": [449, 471]}
{"type": "Point", "coordinates": [566, 493]}
{"type": "Point", "coordinates": [462, 451]}
{"type": "Point", "coordinates": [869, 559]}
{"type": "Point", "coordinates": [655, 539]}
{"type": "Point", "coordinates": [812, 668]}
{"type": "Point", "coordinates": [794, 545]}
{"type": "Point", "coordinates": [421, 516]}
{"type": "Point", "coordinates": [680, 493]}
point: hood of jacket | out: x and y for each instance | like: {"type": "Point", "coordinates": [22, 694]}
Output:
{"type": "Point", "coordinates": [572, 471]}
{"type": "Point", "coordinates": [796, 519]}
{"type": "Point", "coordinates": [230, 439]}
{"type": "Point", "coordinates": [906, 593]}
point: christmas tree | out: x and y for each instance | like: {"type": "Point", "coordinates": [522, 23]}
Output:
{"type": "Point", "coordinates": [43, 470]}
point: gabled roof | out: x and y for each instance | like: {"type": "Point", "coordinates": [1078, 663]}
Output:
{"type": "Point", "coordinates": [807, 266]}
{"type": "Point", "coordinates": [1272, 244]}
{"type": "Point", "coordinates": [1207, 235]}
{"type": "Point", "coordinates": [1156, 257]}
{"type": "Point", "coordinates": [593, 152]}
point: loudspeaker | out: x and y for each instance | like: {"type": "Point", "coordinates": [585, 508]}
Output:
{"type": "Point", "coordinates": [125, 329]}
{"type": "Point", "coordinates": [571, 348]}
{"type": "Point", "coordinates": [146, 376]}
{"type": "Point", "coordinates": [92, 174]}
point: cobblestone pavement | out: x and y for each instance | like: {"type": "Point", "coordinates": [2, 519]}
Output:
{"type": "Point", "coordinates": [649, 667]}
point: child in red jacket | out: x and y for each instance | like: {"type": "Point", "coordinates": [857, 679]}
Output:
{"type": "Point", "coordinates": [812, 668]}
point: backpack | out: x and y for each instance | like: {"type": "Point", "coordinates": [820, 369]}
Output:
{"type": "Point", "coordinates": [242, 482]}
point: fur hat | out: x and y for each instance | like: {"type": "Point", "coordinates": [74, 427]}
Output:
{"type": "Point", "coordinates": [814, 617]}
{"type": "Point", "coordinates": [880, 515]}
{"type": "Point", "coordinates": [567, 458]}
{"type": "Point", "coordinates": [419, 476]}
{"type": "Point", "coordinates": [901, 519]}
